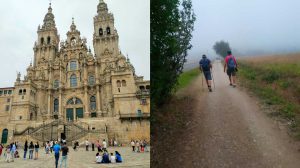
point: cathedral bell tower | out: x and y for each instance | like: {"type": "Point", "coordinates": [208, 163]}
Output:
{"type": "Point", "coordinates": [106, 38]}
{"type": "Point", "coordinates": [46, 45]}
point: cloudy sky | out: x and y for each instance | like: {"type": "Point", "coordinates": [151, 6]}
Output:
{"type": "Point", "coordinates": [250, 26]}
{"type": "Point", "coordinates": [20, 19]}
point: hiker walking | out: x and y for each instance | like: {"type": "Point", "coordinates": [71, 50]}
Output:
{"type": "Point", "coordinates": [205, 67]}
{"type": "Point", "coordinates": [231, 67]}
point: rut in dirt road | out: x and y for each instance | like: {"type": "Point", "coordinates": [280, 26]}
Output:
{"type": "Point", "coordinates": [227, 129]}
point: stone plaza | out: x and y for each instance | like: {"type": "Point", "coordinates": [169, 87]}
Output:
{"type": "Point", "coordinates": [81, 159]}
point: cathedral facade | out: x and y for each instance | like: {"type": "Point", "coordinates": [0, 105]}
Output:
{"type": "Point", "coordinates": [68, 87]}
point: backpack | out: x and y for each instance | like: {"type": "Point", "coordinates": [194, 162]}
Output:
{"type": "Point", "coordinates": [204, 63]}
{"type": "Point", "coordinates": [231, 63]}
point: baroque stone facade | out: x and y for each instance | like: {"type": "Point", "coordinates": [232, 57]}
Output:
{"type": "Point", "coordinates": [67, 82]}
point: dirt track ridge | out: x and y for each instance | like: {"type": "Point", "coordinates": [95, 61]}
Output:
{"type": "Point", "coordinates": [228, 129]}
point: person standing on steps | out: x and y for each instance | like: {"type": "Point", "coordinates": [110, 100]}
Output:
{"type": "Point", "coordinates": [205, 67]}
{"type": "Point", "coordinates": [231, 66]}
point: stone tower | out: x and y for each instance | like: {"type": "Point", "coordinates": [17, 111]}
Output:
{"type": "Point", "coordinates": [47, 43]}
{"type": "Point", "coordinates": [106, 38]}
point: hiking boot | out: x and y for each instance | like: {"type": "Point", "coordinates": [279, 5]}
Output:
{"type": "Point", "coordinates": [234, 85]}
{"type": "Point", "coordinates": [209, 88]}
{"type": "Point", "coordinates": [230, 84]}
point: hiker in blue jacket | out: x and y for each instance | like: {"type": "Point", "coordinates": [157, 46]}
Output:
{"type": "Point", "coordinates": [206, 67]}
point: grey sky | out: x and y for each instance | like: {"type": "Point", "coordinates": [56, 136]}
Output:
{"type": "Point", "coordinates": [20, 19]}
{"type": "Point", "coordinates": [250, 26]}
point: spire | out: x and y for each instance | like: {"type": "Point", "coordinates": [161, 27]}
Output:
{"type": "Point", "coordinates": [49, 22]}
{"type": "Point", "coordinates": [50, 8]}
{"type": "Point", "coordinates": [128, 60]}
{"type": "Point", "coordinates": [102, 7]}
{"type": "Point", "coordinates": [73, 26]}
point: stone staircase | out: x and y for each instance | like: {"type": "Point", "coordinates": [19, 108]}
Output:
{"type": "Point", "coordinates": [52, 130]}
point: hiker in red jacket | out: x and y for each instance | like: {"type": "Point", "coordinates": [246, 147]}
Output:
{"type": "Point", "coordinates": [231, 66]}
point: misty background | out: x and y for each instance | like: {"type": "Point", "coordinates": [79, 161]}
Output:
{"type": "Point", "coordinates": [20, 20]}
{"type": "Point", "coordinates": [252, 27]}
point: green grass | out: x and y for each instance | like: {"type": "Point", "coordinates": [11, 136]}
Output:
{"type": "Point", "coordinates": [277, 85]}
{"type": "Point", "coordinates": [187, 77]}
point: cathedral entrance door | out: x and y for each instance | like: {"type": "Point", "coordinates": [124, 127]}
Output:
{"type": "Point", "coordinates": [74, 109]}
{"type": "Point", "coordinates": [79, 112]}
{"type": "Point", "coordinates": [69, 114]}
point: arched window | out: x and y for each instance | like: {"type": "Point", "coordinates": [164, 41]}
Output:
{"type": "Point", "coordinates": [24, 91]}
{"type": "Point", "coordinates": [20, 92]}
{"type": "Point", "coordinates": [78, 101]}
{"type": "Point", "coordinates": [48, 40]}
{"type": "Point", "coordinates": [108, 30]}
{"type": "Point", "coordinates": [148, 87]}
{"type": "Point", "coordinates": [73, 80]}
{"type": "Point", "coordinates": [56, 84]}
{"type": "Point", "coordinates": [4, 136]}
{"type": "Point", "coordinates": [123, 83]}
{"type": "Point", "coordinates": [65, 57]}
{"type": "Point", "coordinates": [74, 100]}
{"type": "Point", "coordinates": [93, 103]}
{"type": "Point", "coordinates": [42, 40]}
{"type": "Point", "coordinates": [91, 80]}
{"type": "Point", "coordinates": [73, 65]}
{"type": "Point", "coordinates": [118, 83]}
{"type": "Point", "coordinates": [142, 88]}
{"type": "Point", "coordinates": [70, 101]}
{"type": "Point", "coordinates": [56, 105]}
{"type": "Point", "coordinates": [100, 31]}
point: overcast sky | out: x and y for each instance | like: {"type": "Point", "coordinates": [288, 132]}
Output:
{"type": "Point", "coordinates": [19, 21]}
{"type": "Point", "coordinates": [250, 26]}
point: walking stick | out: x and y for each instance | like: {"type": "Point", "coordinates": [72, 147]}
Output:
{"type": "Point", "coordinates": [213, 79]}
{"type": "Point", "coordinates": [202, 81]}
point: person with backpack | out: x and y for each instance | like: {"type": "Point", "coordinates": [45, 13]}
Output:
{"type": "Point", "coordinates": [205, 67]}
{"type": "Point", "coordinates": [231, 67]}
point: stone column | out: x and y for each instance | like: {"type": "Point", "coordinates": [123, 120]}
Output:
{"type": "Point", "coordinates": [97, 74]}
{"type": "Point", "coordinates": [85, 75]}
{"type": "Point", "coordinates": [86, 113]}
{"type": "Point", "coordinates": [98, 100]}
{"type": "Point", "coordinates": [60, 107]}
{"type": "Point", "coordinates": [60, 112]}
{"type": "Point", "coordinates": [49, 104]}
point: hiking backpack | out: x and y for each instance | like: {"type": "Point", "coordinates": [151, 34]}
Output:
{"type": "Point", "coordinates": [231, 63]}
{"type": "Point", "coordinates": [205, 64]}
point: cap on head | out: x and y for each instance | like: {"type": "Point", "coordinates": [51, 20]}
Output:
{"type": "Point", "coordinates": [229, 52]}
{"type": "Point", "coordinates": [204, 56]}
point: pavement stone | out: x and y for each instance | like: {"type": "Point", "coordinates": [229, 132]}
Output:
{"type": "Point", "coordinates": [81, 159]}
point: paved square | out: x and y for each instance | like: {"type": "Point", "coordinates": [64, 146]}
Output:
{"type": "Point", "coordinates": [81, 159]}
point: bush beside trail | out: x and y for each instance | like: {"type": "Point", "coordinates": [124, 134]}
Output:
{"type": "Point", "coordinates": [187, 77]}
{"type": "Point", "coordinates": [275, 79]}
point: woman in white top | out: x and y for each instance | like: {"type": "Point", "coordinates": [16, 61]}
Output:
{"type": "Point", "coordinates": [112, 158]}
{"type": "Point", "coordinates": [98, 158]}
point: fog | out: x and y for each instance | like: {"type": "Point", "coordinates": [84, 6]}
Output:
{"type": "Point", "coordinates": [252, 27]}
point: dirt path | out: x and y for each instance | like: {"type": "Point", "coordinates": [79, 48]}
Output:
{"type": "Point", "coordinates": [227, 129]}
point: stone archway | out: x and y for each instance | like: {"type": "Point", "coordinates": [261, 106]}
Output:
{"type": "Point", "coordinates": [4, 136]}
{"type": "Point", "coordinates": [74, 109]}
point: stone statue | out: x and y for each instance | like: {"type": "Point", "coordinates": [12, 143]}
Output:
{"type": "Point", "coordinates": [19, 76]}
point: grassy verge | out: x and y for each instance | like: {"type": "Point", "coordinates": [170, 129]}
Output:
{"type": "Point", "coordinates": [277, 84]}
{"type": "Point", "coordinates": [187, 77]}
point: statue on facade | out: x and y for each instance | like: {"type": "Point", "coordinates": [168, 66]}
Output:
{"type": "Point", "coordinates": [19, 76]}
